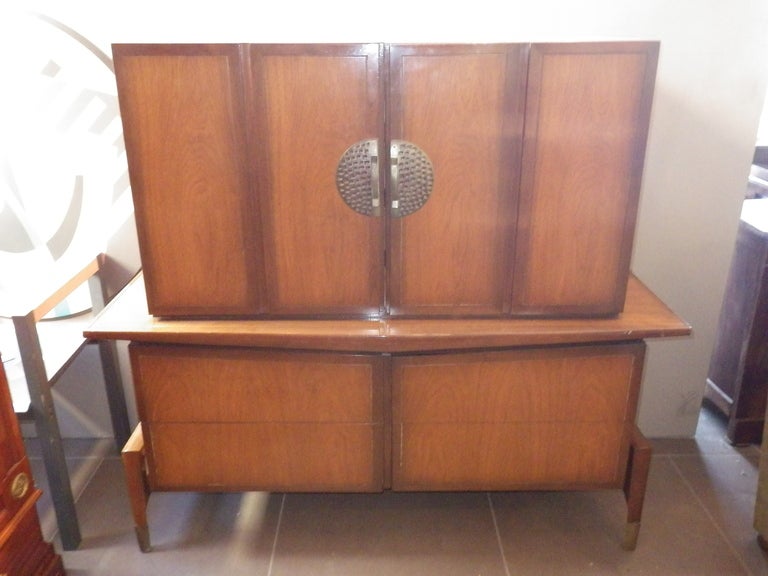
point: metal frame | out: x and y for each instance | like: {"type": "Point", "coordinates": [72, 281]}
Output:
{"type": "Point", "coordinates": [42, 406]}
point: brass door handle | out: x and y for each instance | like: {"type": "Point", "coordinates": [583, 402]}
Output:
{"type": "Point", "coordinates": [411, 178]}
{"type": "Point", "coordinates": [357, 177]}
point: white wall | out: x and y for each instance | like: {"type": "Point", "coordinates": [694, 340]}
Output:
{"type": "Point", "coordinates": [710, 88]}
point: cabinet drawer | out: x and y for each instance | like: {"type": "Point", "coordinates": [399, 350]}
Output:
{"type": "Point", "coordinates": [265, 456]}
{"type": "Point", "coordinates": [508, 456]}
{"type": "Point", "coordinates": [514, 419]}
{"type": "Point", "coordinates": [210, 384]}
{"type": "Point", "coordinates": [218, 417]}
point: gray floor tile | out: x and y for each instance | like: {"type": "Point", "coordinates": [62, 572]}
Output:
{"type": "Point", "coordinates": [726, 484]}
{"type": "Point", "coordinates": [580, 533]}
{"type": "Point", "coordinates": [396, 534]}
{"type": "Point", "coordinates": [192, 533]}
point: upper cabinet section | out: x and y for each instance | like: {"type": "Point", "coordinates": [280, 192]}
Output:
{"type": "Point", "coordinates": [372, 180]}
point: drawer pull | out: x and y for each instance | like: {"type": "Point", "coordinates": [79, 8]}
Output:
{"type": "Point", "coordinates": [20, 486]}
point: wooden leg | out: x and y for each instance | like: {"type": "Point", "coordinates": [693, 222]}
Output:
{"type": "Point", "coordinates": [138, 485]}
{"type": "Point", "coordinates": [635, 483]}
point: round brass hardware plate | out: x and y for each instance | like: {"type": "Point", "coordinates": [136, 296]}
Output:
{"type": "Point", "coordinates": [20, 486]}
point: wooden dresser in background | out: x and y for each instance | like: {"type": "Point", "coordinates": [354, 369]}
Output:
{"type": "Point", "coordinates": [23, 552]}
{"type": "Point", "coordinates": [737, 382]}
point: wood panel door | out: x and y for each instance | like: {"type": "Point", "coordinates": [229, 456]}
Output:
{"type": "Point", "coordinates": [309, 105]}
{"type": "Point", "coordinates": [462, 105]}
{"type": "Point", "coordinates": [182, 110]}
{"type": "Point", "coordinates": [587, 114]}
{"type": "Point", "coordinates": [553, 418]}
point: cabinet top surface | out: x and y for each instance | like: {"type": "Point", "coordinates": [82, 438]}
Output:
{"type": "Point", "coordinates": [644, 316]}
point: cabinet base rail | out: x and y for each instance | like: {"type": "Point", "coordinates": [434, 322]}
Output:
{"type": "Point", "coordinates": [635, 483]}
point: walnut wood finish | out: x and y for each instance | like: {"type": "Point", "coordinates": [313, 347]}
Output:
{"type": "Point", "coordinates": [587, 113]}
{"type": "Point", "coordinates": [22, 548]}
{"type": "Point", "coordinates": [537, 152]}
{"type": "Point", "coordinates": [309, 104]}
{"type": "Point", "coordinates": [505, 420]}
{"type": "Point", "coordinates": [289, 421]}
{"type": "Point", "coordinates": [463, 106]}
{"type": "Point", "coordinates": [369, 405]}
{"type": "Point", "coordinates": [644, 316]}
{"type": "Point", "coordinates": [183, 113]}
{"type": "Point", "coordinates": [233, 156]}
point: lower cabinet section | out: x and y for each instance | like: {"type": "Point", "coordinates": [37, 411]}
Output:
{"type": "Point", "coordinates": [230, 419]}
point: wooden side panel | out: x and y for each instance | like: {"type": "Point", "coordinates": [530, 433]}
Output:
{"type": "Point", "coordinates": [182, 109]}
{"type": "Point", "coordinates": [228, 418]}
{"type": "Point", "coordinates": [462, 106]}
{"type": "Point", "coordinates": [587, 114]}
{"type": "Point", "coordinates": [551, 418]}
{"type": "Point", "coordinates": [310, 104]}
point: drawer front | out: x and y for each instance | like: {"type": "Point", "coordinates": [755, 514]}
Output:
{"type": "Point", "coordinates": [208, 384]}
{"type": "Point", "coordinates": [514, 419]}
{"type": "Point", "coordinates": [265, 456]}
{"type": "Point", "coordinates": [240, 419]}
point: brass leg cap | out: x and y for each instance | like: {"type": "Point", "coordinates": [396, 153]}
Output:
{"type": "Point", "coordinates": [631, 532]}
{"type": "Point", "coordinates": [142, 535]}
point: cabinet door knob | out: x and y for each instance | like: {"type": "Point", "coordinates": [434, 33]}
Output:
{"type": "Point", "coordinates": [357, 177]}
{"type": "Point", "coordinates": [411, 177]}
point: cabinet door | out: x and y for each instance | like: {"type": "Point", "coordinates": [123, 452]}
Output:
{"type": "Point", "coordinates": [550, 418]}
{"type": "Point", "coordinates": [310, 104]}
{"type": "Point", "coordinates": [462, 106]}
{"type": "Point", "coordinates": [587, 111]}
{"type": "Point", "coordinates": [182, 110]}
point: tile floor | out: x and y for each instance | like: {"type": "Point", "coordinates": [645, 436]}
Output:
{"type": "Point", "coordinates": [697, 522]}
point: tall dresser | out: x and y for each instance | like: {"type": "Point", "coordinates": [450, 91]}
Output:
{"type": "Point", "coordinates": [386, 267]}
{"type": "Point", "coordinates": [22, 548]}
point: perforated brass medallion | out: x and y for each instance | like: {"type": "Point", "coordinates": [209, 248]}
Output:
{"type": "Point", "coordinates": [357, 177]}
{"type": "Point", "coordinates": [411, 178]}
{"type": "Point", "coordinates": [20, 486]}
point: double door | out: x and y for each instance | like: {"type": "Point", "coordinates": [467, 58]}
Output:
{"type": "Point", "coordinates": [385, 180]}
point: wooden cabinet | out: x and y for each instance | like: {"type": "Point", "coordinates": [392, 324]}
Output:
{"type": "Point", "coordinates": [483, 180]}
{"type": "Point", "coordinates": [394, 240]}
{"type": "Point", "coordinates": [22, 548]}
{"type": "Point", "coordinates": [737, 381]}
